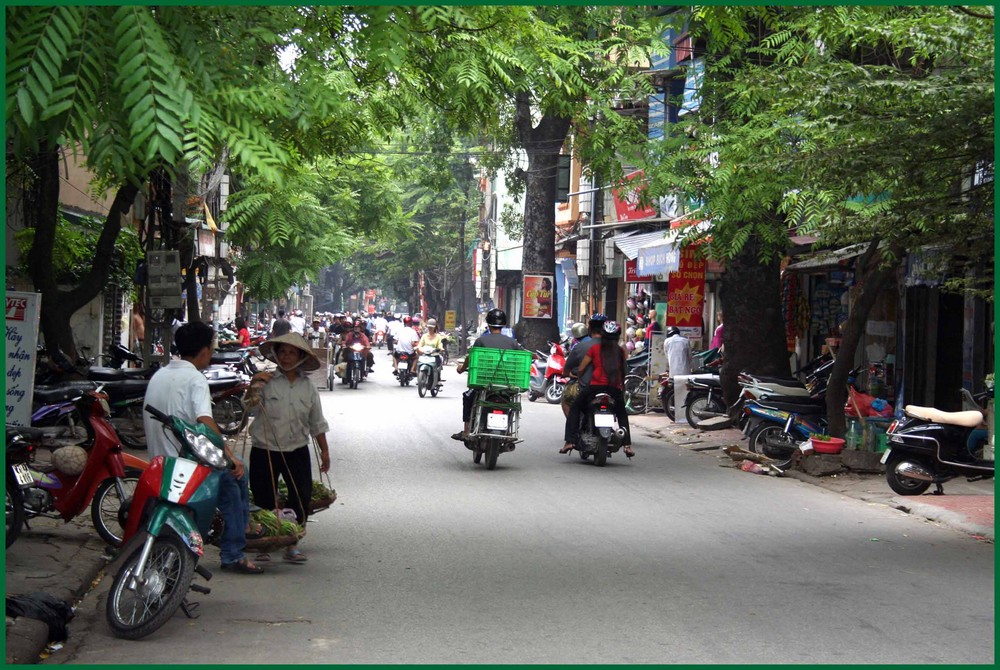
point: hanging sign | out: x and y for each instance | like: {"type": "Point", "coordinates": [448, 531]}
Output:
{"type": "Point", "coordinates": [686, 294]}
{"type": "Point", "coordinates": [449, 319]}
{"type": "Point", "coordinates": [537, 297]}
{"type": "Point", "coordinates": [632, 276]}
{"type": "Point", "coordinates": [22, 345]}
{"type": "Point", "coordinates": [627, 204]}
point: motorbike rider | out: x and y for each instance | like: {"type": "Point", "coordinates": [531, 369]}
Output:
{"type": "Point", "coordinates": [316, 334]}
{"type": "Point", "coordinates": [591, 336]}
{"type": "Point", "coordinates": [608, 376]}
{"type": "Point", "coordinates": [404, 342]}
{"type": "Point", "coordinates": [393, 327]}
{"type": "Point", "coordinates": [298, 323]}
{"type": "Point", "coordinates": [357, 334]}
{"type": "Point", "coordinates": [432, 338]}
{"type": "Point", "coordinates": [496, 321]}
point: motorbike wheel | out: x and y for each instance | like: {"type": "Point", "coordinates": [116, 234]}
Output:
{"type": "Point", "coordinates": [584, 455]}
{"type": "Point", "coordinates": [601, 455]}
{"type": "Point", "coordinates": [771, 440]}
{"type": "Point", "coordinates": [634, 392]}
{"type": "Point", "coordinates": [554, 392]}
{"type": "Point", "coordinates": [422, 382]}
{"type": "Point", "coordinates": [135, 614]}
{"type": "Point", "coordinates": [435, 388]}
{"type": "Point", "coordinates": [230, 414]}
{"type": "Point", "coordinates": [532, 396]}
{"type": "Point", "coordinates": [108, 511]}
{"type": "Point", "coordinates": [667, 400]}
{"type": "Point", "coordinates": [904, 486]}
{"type": "Point", "coordinates": [492, 452]}
{"type": "Point", "coordinates": [702, 405]}
{"type": "Point", "coordinates": [477, 454]}
{"type": "Point", "coordinates": [354, 380]}
{"type": "Point", "coordinates": [130, 429]}
{"type": "Point", "coordinates": [15, 508]}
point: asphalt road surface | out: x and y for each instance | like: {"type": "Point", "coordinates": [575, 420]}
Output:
{"type": "Point", "coordinates": [668, 558]}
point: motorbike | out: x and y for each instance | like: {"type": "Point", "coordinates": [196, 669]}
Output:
{"type": "Point", "coordinates": [54, 412]}
{"type": "Point", "coordinates": [356, 365]}
{"type": "Point", "coordinates": [171, 512]}
{"type": "Point", "coordinates": [548, 377]}
{"type": "Point", "coordinates": [403, 373]}
{"type": "Point", "coordinates": [497, 377]}
{"type": "Point", "coordinates": [104, 481]}
{"type": "Point", "coordinates": [600, 434]}
{"type": "Point", "coordinates": [21, 443]}
{"type": "Point", "coordinates": [227, 389]}
{"type": "Point", "coordinates": [428, 371]}
{"type": "Point", "coordinates": [928, 446]}
{"type": "Point", "coordinates": [781, 426]}
{"type": "Point", "coordinates": [379, 338]}
{"type": "Point", "coordinates": [665, 392]}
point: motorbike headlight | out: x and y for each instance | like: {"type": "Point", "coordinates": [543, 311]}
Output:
{"type": "Point", "coordinates": [357, 347]}
{"type": "Point", "coordinates": [207, 453]}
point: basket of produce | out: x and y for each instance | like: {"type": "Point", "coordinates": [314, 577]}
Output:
{"type": "Point", "coordinates": [322, 496]}
{"type": "Point", "coordinates": [277, 533]}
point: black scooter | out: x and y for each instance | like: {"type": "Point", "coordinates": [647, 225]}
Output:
{"type": "Point", "coordinates": [929, 446]}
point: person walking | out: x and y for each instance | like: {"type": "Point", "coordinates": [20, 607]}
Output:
{"type": "Point", "coordinates": [280, 326]}
{"type": "Point", "coordinates": [288, 413]}
{"type": "Point", "coordinates": [181, 390]}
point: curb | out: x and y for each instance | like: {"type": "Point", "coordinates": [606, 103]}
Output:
{"type": "Point", "coordinates": [943, 516]}
{"type": "Point", "coordinates": [27, 639]}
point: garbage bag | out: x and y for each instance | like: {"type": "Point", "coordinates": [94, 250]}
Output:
{"type": "Point", "coordinates": [46, 608]}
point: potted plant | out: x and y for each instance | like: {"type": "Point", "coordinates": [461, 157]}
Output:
{"type": "Point", "coordinates": [824, 444]}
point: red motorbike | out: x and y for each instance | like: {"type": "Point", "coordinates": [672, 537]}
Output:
{"type": "Point", "coordinates": [97, 474]}
{"type": "Point", "coordinates": [548, 378]}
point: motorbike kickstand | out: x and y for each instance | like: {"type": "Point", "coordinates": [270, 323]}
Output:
{"type": "Point", "coordinates": [189, 607]}
{"type": "Point", "coordinates": [939, 490]}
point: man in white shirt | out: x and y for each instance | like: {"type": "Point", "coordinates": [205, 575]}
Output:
{"type": "Point", "coordinates": [394, 326]}
{"type": "Point", "coordinates": [180, 389]}
{"type": "Point", "coordinates": [404, 343]}
{"type": "Point", "coordinates": [298, 323]}
{"type": "Point", "coordinates": [678, 351]}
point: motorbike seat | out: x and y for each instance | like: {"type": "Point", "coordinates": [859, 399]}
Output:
{"type": "Point", "coordinates": [706, 381]}
{"type": "Point", "coordinates": [31, 434]}
{"type": "Point", "coordinates": [126, 389]}
{"type": "Point", "coordinates": [104, 374]}
{"type": "Point", "coordinates": [780, 381]}
{"type": "Point", "coordinates": [227, 357]}
{"type": "Point", "coordinates": [801, 400]}
{"type": "Point", "coordinates": [48, 395]}
{"type": "Point", "coordinates": [794, 407]}
{"type": "Point", "coordinates": [967, 419]}
{"type": "Point", "coordinates": [216, 385]}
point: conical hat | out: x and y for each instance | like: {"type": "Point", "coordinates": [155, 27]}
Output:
{"type": "Point", "coordinates": [311, 362]}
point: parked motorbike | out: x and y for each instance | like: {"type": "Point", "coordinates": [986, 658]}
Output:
{"type": "Point", "coordinates": [548, 376]}
{"type": "Point", "coordinates": [928, 446]}
{"type": "Point", "coordinates": [428, 371]}
{"type": "Point", "coordinates": [227, 389]}
{"type": "Point", "coordinates": [600, 434]}
{"type": "Point", "coordinates": [170, 514]}
{"type": "Point", "coordinates": [781, 426]}
{"type": "Point", "coordinates": [21, 442]}
{"type": "Point", "coordinates": [101, 476]}
{"type": "Point", "coordinates": [356, 365]}
{"type": "Point", "coordinates": [403, 373]}
{"type": "Point", "coordinates": [54, 412]}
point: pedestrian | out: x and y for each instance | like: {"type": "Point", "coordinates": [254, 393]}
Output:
{"type": "Point", "coordinates": [280, 326]}
{"type": "Point", "coordinates": [678, 351]}
{"type": "Point", "coordinates": [608, 376]}
{"type": "Point", "coordinates": [288, 413]}
{"type": "Point", "coordinates": [138, 328]}
{"type": "Point", "coordinates": [717, 335]}
{"type": "Point", "coordinates": [181, 390]}
{"type": "Point", "coordinates": [297, 322]}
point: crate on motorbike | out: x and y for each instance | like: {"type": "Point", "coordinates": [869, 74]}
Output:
{"type": "Point", "coordinates": [499, 367]}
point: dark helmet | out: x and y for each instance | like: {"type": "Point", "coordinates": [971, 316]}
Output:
{"type": "Point", "coordinates": [596, 321]}
{"type": "Point", "coordinates": [671, 331]}
{"type": "Point", "coordinates": [612, 329]}
{"type": "Point", "coordinates": [496, 318]}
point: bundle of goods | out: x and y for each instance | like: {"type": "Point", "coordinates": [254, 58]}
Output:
{"type": "Point", "coordinates": [274, 532]}
{"type": "Point", "coordinates": [322, 497]}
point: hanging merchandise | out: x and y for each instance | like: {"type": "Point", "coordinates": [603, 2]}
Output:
{"type": "Point", "coordinates": [789, 307]}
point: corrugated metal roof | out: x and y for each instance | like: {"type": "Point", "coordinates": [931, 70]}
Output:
{"type": "Point", "coordinates": [629, 243]}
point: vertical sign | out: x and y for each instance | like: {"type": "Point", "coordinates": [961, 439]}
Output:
{"type": "Point", "coordinates": [22, 342]}
{"type": "Point", "coordinates": [686, 293]}
{"type": "Point", "coordinates": [449, 319]}
{"type": "Point", "coordinates": [537, 297]}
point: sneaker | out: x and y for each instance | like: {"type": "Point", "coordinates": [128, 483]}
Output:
{"type": "Point", "coordinates": [460, 436]}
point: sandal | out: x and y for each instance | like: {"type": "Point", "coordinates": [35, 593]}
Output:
{"type": "Point", "coordinates": [295, 556]}
{"type": "Point", "coordinates": [628, 451]}
{"type": "Point", "coordinates": [460, 436]}
{"type": "Point", "coordinates": [262, 557]}
{"type": "Point", "coordinates": [243, 566]}
{"type": "Point", "coordinates": [256, 531]}
{"type": "Point", "coordinates": [567, 449]}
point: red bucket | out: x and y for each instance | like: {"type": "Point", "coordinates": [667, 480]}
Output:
{"type": "Point", "coordinates": [833, 445]}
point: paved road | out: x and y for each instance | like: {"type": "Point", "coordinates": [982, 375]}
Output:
{"type": "Point", "coordinates": [669, 558]}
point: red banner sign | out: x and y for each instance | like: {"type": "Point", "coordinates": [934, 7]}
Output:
{"type": "Point", "coordinates": [686, 292]}
{"type": "Point", "coordinates": [627, 204]}
{"type": "Point", "coordinates": [630, 273]}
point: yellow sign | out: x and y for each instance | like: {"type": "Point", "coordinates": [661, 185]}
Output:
{"type": "Point", "coordinates": [449, 319]}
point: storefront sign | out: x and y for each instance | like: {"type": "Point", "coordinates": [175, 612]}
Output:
{"type": "Point", "coordinates": [449, 319]}
{"type": "Point", "coordinates": [537, 297]}
{"type": "Point", "coordinates": [686, 294]}
{"type": "Point", "coordinates": [659, 258]}
{"type": "Point", "coordinates": [627, 204]}
{"type": "Point", "coordinates": [22, 343]}
{"type": "Point", "coordinates": [633, 277]}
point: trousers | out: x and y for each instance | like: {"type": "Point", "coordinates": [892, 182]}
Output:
{"type": "Point", "coordinates": [572, 434]}
{"type": "Point", "coordinates": [234, 505]}
{"type": "Point", "coordinates": [294, 467]}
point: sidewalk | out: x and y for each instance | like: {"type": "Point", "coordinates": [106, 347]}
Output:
{"type": "Point", "coordinates": [966, 506]}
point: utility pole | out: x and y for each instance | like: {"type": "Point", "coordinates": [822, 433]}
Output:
{"type": "Point", "coordinates": [463, 341]}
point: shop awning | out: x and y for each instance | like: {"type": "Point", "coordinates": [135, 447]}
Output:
{"type": "Point", "coordinates": [629, 243]}
{"type": "Point", "coordinates": [836, 258]}
{"type": "Point", "coordinates": [659, 256]}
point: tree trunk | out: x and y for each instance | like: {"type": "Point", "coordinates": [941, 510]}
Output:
{"type": "Point", "coordinates": [42, 214]}
{"type": "Point", "coordinates": [871, 276]}
{"type": "Point", "coordinates": [539, 255]}
{"type": "Point", "coordinates": [754, 334]}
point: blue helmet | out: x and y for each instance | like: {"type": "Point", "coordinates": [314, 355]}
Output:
{"type": "Point", "coordinates": [596, 321]}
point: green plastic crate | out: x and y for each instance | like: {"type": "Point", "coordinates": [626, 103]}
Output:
{"type": "Point", "coordinates": [499, 367]}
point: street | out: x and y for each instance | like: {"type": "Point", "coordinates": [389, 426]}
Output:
{"type": "Point", "coordinates": [667, 558]}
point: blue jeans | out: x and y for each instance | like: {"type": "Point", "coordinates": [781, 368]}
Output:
{"type": "Point", "coordinates": [234, 504]}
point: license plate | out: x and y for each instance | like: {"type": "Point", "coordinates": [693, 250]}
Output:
{"type": "Point", "coordinates": [885, 457]}
{"type": "Point", "coordinates": [496, 421]}
{"type": "Point", "coordinates": [604, 420]}
{"type": "Point", "coordinates": [23, 475]}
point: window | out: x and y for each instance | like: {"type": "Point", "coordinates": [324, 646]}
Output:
{"type": "Point", "coordinates": [562, 178]}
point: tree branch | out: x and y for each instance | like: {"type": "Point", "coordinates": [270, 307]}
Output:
{"type": "Point", "coordinates": [966, 10]}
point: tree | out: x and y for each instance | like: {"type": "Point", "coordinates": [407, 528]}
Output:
{"type": "Point", "coordinates": [862, 124]}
